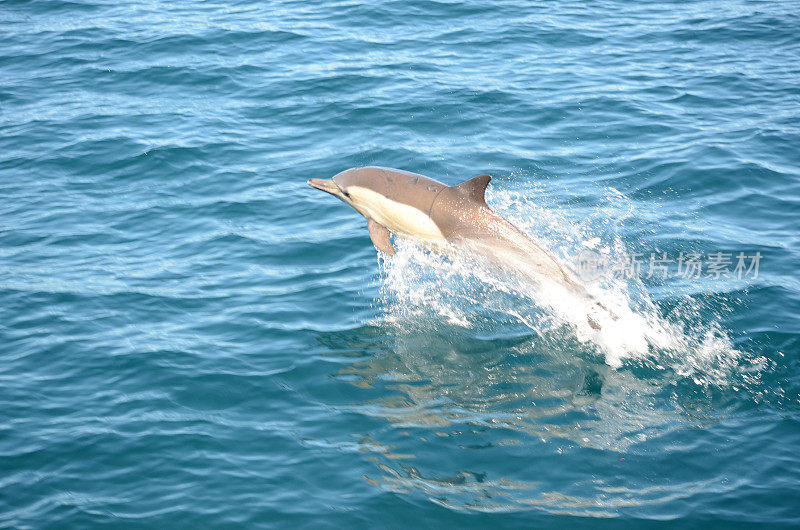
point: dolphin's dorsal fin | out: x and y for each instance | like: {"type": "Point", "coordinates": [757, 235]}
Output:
{"type": "Point", "coordinates": [474, 188]}
{"type": "Point", "coordinates": [380, 236]}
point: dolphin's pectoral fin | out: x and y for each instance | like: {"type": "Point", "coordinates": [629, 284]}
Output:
{"type": "Point", "coordinates": [380, 236]}
{"type": "Point", "coordinates": [474, 188]}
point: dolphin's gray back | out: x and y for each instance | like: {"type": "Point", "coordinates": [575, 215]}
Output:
{"type": "Point", "coordinates": [400, 186]}
{"type": "Point", "coordinates": [462, 215]}
{"type": "Point", "coordinates": [461, 211]}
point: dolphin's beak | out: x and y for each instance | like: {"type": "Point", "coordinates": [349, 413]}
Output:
{"type": "Point", "coordinates": [325, 185]}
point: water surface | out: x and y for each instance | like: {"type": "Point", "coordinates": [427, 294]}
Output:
{"type": "Point", "coordinates": [193, 336]}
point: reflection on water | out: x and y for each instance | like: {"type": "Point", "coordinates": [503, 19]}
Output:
{"type": "Point", "coordinates": [444, 388]}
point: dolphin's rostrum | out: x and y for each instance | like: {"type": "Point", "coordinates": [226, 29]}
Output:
{"type": "Point", "coordinates": [440, 216]}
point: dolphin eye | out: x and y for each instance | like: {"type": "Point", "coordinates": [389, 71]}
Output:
{"type": "Point", "coordinates": [345, 194]}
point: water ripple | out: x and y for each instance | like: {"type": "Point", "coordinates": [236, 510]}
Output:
{"type": "Point", "coordinates": [193, 336]}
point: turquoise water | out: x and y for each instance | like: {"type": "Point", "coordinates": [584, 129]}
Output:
{"type": "Point", "coordinates": [192, 336]}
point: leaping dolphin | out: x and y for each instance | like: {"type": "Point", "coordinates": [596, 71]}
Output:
{"type": "Point", "coordinates": [439, 216]}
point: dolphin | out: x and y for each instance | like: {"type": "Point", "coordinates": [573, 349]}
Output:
{"type": "Point", "coordinates": [444, 217]}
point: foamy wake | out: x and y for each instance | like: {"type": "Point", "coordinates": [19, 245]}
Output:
{"type": "Point", "coordinates": [463, 291]}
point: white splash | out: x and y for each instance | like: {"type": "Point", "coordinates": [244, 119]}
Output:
{"type": "Point", "coordinates": [461, 291]}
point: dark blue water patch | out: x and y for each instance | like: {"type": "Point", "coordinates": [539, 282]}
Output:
{"type": "Point", "coordinates": [57, 6]}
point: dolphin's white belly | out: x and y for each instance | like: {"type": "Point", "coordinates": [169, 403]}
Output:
{"type": "Point", "coordinates": [401, 219]}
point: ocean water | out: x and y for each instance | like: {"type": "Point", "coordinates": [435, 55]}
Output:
{"type": "Point", "coordinates": [192, 336]}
